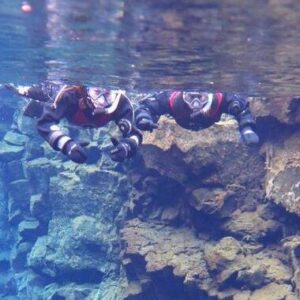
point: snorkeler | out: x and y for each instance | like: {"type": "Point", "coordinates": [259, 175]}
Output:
{"type": "Point", "coordinates": [196, 110]}
{"type": "Point", "coordinates": [83, 106]}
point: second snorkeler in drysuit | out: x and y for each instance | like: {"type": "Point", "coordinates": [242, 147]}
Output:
{"type": "Point", "coordinates": [196, 110]}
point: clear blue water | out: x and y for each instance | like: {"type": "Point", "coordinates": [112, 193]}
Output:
{"type": "Point", "coordinates": [250, 47]}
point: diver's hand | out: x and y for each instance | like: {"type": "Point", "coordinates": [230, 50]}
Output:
{"type": "Point", "coordinates": [146, 124]}
{"type": "Point", "coordinates": [75, 151]}
{"type": "Point", "coordinates": [249, 136]}
{"type": "Point", "coordinates": [20, 89]}
{"type": "Point", "coordinates": [121, 149]}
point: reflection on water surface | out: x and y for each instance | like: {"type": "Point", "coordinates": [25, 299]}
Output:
{"type": "Point", "coordinates": [250, 47]}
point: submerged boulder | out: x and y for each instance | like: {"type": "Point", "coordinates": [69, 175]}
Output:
{"type": "Point", "coordinates": [15, 138]}
{"type": "Point", "coordinates": [282, 110]}
{"type": "Point", "coordinates": [176, 254]}
{"type": "Point", "coordinates": [61, 257]}
{"type": "Point", "coordinates": [10, 152]}
{"type": "Point", "coordinates": [283, 173]}
{"type": "Point", "coordinates": [204, 156]}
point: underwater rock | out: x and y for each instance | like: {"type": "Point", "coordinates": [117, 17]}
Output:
{"type": "Point", "coordinates": [243, 295]}
{"type": "Point", "coordinates": [75, 250]}
{"type": "Point", "coordinates": [285, 111]}
{"type": "Point", "coordinates": [211, 172]}
{"type": "Point", "coordinates": [156, 250]}
{"type": "Point", "coordinates": [183, 176]}
{"type": "Point", "coordinates": [217, 176]}
{"type": "Point", "coordinates": [292, 247]}
{"type": "Point", "coordinates": [187, 156]}
{"type": "Point", "coordinates": [29, 230]}
{"type": "Point", "coordinates": [283, 173]}
{"type": "Point", "coordinates": [253, 278]}
{"type": "Point", "coordinates": [15, 216]}
{"type": "Point", "coordinates": [92, 233]}
{"type": "Point", "coordinates": [251, 226]}
{"type": "Point", "coordinates": [236, 268]}
{"type": "Point", "coordinates": [81, 246]}
{"type": "Point", "coordinates": [15, 139]}
{"type": "Point", "coordinates": [70, 291]}
{"type": "Point", "coordinates": [20, 191]}
{"type": "Point", "coordinates": [262, 270]}
{"type": "Point", "coordinates": [172, 252]}
{"type": "Point", "coordinates": [8, 287]}
{"type": "Point", "coordinates": [4, 261]}
{"type": "Point", "coordinates": [10, 152]}
{"type": "Point", "coordinates": [208, 200]}
{"type": "Point", "coordinates": [224, 253]}
{"type": "Point", "coordinates": [40, 208]}
{"type": "Point", "coordinates": [225, 259]}
{"type": "Point", "coordinates": [34, 149]}
{"type": "Point", "coordinates": [19, 256]}
{"type": "Point", "coordinates": [18, 201]}
{"type": "Point", "coordinates": [38, 172]}
{"type": "Point", "coordinates": [273, 291]}
{"type": "Point", "coordinates": [15, 170]}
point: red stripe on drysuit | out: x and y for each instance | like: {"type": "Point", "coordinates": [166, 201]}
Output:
{"type": "Point", "coordinates": [216, 111]}
{"type": "Point", "coordinates": [172, 99]}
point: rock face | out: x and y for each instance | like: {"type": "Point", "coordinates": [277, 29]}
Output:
{"type": "Point", "coordinates": [282, 180]}
{"type": "Point", "coordinates": [63, 238]}
{"type": "Point", "coordinates": [284, 111]}
{"type": "Point", "coordinates": [202, 222]}
{"type": "Point", "coordinates": [280, 125]}
{"type": "Point", "coordinates": [196, 215]}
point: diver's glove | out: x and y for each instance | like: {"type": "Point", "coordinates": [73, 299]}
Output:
{"type": "Point", "coordinates": [61, 142]}
{"type": "Point", "coordinates": [249, 136]}
{"type": "Point", "coordinates": [123, 149]}
{"type": "Point", "coordinates": [20, 90]}
{"type": "Point", "coordinates": [146, 124]}
{"type": "Point", "coordinates": [75, 151]}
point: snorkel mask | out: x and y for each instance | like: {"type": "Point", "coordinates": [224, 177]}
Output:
{"type": "Point", "coordinates": [98, 100]}
{"type": "Point", "coordinates": [103, 101]}
{"type": "Point", "coordinates": [198, 103]}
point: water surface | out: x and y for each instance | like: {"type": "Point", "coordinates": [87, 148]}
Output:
{"type": "Point", "coordinates": [251, 47]}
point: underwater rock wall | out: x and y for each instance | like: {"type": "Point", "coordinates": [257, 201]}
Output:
{"type": "Point", "coordinates": [59, 220]}
{"type": "Point", "coordinates": [204, 222]}
{"type": "Point", "coordinates": [279, 122]}
{"type": "Point", "coordinates": [196, 215]}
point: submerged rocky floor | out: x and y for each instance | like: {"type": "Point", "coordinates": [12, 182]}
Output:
{"type": "Point", "coordinates": [196, 215]}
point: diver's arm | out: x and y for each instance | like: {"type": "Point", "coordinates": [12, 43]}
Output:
{"type": "Point", "coordinates": [150, 109]}
{"type": "Point", "coordinates": [127, 146]}
{"type": "Point", "coordinates": [51, 132]}
{"type": "Point", "coordinates": [42, 92]}
{"type": "Point", "coordinates": [238, 107]}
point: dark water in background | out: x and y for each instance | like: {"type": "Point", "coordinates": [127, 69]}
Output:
{"type": "Point", "coordinates": [251, 47]}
